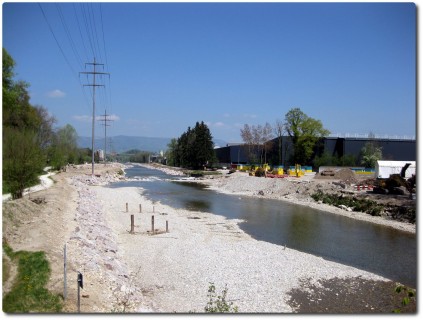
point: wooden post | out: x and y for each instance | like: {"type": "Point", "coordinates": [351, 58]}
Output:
{"type": "Point", "coordinates": [80, 285]}
{"type": "Point", "coordinates": [140, 208]}
{"type": "Point", "coordinates": [132, 223]}
{"type": "Point", "coordinates": [64, 274]}
{"type": "Point", "coordinates": [167, 226]}
{"type": "Point", "coordinates": [153, 209]}
{"type": "Point", "coordinates": [152, 224]}
{"type": "Point", "coordinates": [127, 207]}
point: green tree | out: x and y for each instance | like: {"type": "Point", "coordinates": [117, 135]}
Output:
{"type": "Point", "coordinates": [63, 149]}
{"type": "Point", "coordinates": [305, 132]}
{"type": "Point", "coordinates": [202, 147]}
{"type": "Point", "coordinates": [23, 160]}
{"type": "Point", "coordinates": [370, 154]}
{"type": "Point", "coordinates": [25, 133]}
{"type": "Point", "coordinates": [171, 153]}
{"type": "Point", "coordinates": [193, 149]}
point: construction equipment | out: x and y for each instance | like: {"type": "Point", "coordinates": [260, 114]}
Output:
{"type": "Point", "coordinates": [396, 183]}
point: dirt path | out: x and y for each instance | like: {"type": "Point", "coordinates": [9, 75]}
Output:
{"type": "Point", "coordinates": [45, 221]}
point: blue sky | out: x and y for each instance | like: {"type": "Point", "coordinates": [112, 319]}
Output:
{"type": "Point", "coordinates": [350, 65]}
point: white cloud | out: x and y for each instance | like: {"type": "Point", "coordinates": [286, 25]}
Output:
{"type": "Point", "coordinates": [111, 117]}
{"type": "Point", "coordinates": [87, 118]}
{"type": "Point", "coordinates": [249, 115]}
{"type": "Point", "coordinates": [83, 118]}
{"type": "Point", "coordinates": [114, 117]}
{"type": "Point", "coordinates": [56, 94]}
{"type": "Point", "coordinates": [219, 124]}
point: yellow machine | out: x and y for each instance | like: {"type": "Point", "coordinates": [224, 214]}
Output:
{"type": "Point", "coordinates": [296, 171]}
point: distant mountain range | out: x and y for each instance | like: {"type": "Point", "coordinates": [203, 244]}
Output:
{"type": "Point", "coordinates": [121, 144]}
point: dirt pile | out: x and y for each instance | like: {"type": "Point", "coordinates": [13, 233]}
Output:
{"type": "Point", "coordinates": [345, 175]}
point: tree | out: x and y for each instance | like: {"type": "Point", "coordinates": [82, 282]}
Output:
{"type": "Point", "coordinates": [279, 130]}
{"type": "Point", "coordinates": [193, 149]}
{"type": "Point", "coordinates": [23, 160]}
{"type": "Point", "coordinates": [247, 137]}
{"type": "Point", "coordinates": [45, 130]}
{"type": "Point", "coordinates": [63, 149]}
{"type": "Point", "coordinates": [171, 153]}
{"type": "Point", "coordinates": [370, 154]}
{"type": "Point", "coordinates": [266, 139]}
{"type": "Point", "coordinates": [257, 138]}
{"type": "Point", "coordinates": [304, 132]}
{"type": "Point", "coordinates": [202, 146]}
{"type": "Point", "coordinates": [25, 133]}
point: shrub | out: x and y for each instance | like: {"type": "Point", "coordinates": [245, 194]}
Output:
{"type": "Point", "coordinates": [260, 172]}
{"type": "Point", "coordinates": [218, 304]}
{"type": "Point", "coordinates": [363, 205]}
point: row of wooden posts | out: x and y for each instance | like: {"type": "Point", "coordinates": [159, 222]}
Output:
{"type": "Point", "coordinates": [152, 221]}
{"type": "Point", "coordinates": [140, 208]}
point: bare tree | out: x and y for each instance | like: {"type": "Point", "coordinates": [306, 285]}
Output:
{"type": "Point", "coordinates": [247, 137]}
{"type": "Point", "coordinates": [257, 138]}
{"type": "Point", "coordinates": [279, 130]}
{"type": "Point", "coordinates": [267, 136]}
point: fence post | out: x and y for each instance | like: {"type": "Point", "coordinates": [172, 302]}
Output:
{"type": "Point", "coordinates": [132, 223]}
{"type": "Point", "coordinates": [167, 226]}
{"type": "Point", "coordinates": [80, 285]}
{"type": "Point", "coordinates": [152, 224]}
{"type": "Point", "coordinates": [64, 274]}
{"type": "Point", "coordinates": [140, 208]}
{"type": "Point", "coordinates": [127, 207]}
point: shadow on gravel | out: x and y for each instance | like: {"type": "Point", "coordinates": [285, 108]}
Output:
{"type": "Point", "coordinates": [346, 296]}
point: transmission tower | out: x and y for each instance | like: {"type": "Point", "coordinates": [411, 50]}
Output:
{"type": "Point", "coordinates": [94, 73]}
{"type": "Point", "coordinates": [104, 118]}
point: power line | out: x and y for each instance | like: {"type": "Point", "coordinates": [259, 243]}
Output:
{"type": "Point", "coordinates": [57, 42]}
{"type": "Point", "coordinates": [94, 73]}
{"type": "Point", "coordinates": [95, 32]}
{"type": "Point", "coordinates": [104, 41]}
{"type": "Point", "coordinates": [80, 31]}
{"type": "Point", "coordinates": [84, 16]}
{"type": "Point", "coordinates": [69, 36]}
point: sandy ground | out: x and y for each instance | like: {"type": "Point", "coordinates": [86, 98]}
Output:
{"type": "Point", "coordinates": [164, 272]}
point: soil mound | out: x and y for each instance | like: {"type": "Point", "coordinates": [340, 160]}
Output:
{"type": "Point", "coordinates": [346, 175]}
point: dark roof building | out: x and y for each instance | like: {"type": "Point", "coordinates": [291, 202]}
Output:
{"type": "Point", "coordinates": [392, 149]}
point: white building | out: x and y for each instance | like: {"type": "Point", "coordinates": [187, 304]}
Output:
{"type": "Point", "coordinates": [385, 168]}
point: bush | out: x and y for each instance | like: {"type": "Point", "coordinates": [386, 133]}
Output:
{"type": "Point", "coordinates": [260, 172]}
{"type": "Point", "coordinates": [218, 304]}
{"type": "Point", "coordinates": [363, 205]}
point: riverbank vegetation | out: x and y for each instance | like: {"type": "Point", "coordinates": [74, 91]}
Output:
{"type": "Point", "coordinates": [363, 205]}
{"type": "Point", "coordinates": [28, 293]}
{"type": "Point", "coordinates": [30, 142]}
{"type": "Point", "coordinates": [193, 149]}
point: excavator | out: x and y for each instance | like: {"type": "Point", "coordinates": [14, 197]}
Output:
{"type": "Point", "coordinates": [396, 183]}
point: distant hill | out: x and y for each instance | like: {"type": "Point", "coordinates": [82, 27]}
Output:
{"type": "Point", "coordinates": [125, 143]}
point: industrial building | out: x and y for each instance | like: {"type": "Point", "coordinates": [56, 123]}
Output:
{"type": "Point", "coordinates": [395, 149]}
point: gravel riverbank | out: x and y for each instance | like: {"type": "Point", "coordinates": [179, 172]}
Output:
{"type": "Point", "coordinates": [174, 269]}
{"type": "Point", "coordinates": [171, 272]}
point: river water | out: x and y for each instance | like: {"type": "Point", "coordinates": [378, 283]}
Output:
{"type": "Point", "coordinates": [382, 250]}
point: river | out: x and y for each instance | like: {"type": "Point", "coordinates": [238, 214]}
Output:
{"type": "Point", "coordinates": [382, 250]}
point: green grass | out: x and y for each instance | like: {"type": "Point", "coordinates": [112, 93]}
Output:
{"type": "Point", "coordinates": [28, 293]}
{"type": "Point", "coordinates": [362, 205]}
